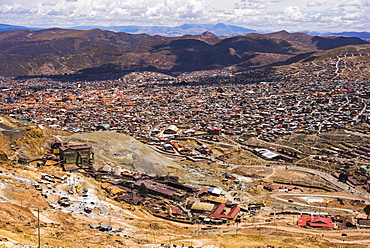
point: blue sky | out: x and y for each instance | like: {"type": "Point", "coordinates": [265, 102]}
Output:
{"type": "Point", "coordinates": [274, 15]}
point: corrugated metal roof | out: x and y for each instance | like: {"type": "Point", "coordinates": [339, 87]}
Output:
{"type": "Point", "coordinates": [216, 199]}
{"type": "Point", "coordinates": [202, 206]}
{"type": "Point", "coordinates": [215, 191]}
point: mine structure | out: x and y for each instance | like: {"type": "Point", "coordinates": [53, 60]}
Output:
{"type": "Point", "coordinates": [164, 196]}
{"type": "Point", "coordinates": [73, 156]}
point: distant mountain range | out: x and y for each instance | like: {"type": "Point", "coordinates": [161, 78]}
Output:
{"type": "Point", "coordinates": [219, 29]}
{"type": "Point", "coordinates": [6, 27]}
{"type": "Point", "coordinates": [86, 52]}
{"type": "Point", "coordinates": [361, 35]}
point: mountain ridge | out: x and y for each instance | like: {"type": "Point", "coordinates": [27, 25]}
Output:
{"type": "Point", "coordinates": [68, 51]}
{"type": "Point", "coordinates": [219, 29]}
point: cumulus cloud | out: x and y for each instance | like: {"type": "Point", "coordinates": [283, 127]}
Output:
{"type": "Point", "coordinates": [292, 13]}
{"type": "Point", "coordinates": [251, 5]}
{"type": "Point", "coordinates": [356, 3]}
{"type": "Point", "coordinates": [337, 10]}
{"type": "Point", "coordinates": [14, 9]}
{"type": "Point", "coordinates": [314, 4]}
{"type": "Point", "coordinates": [355, 16]}
{"type": "Point", "coordinates": [178, 9]}
{"type": "Point", "coordinates": [262, 1]}
{"type": "Point", "coordinates": [50, 3]}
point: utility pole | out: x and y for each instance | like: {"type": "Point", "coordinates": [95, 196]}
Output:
{"type": "Point", "coordinates": [38, 228]}
{"type": "Point", "coordinates": [275, 218]}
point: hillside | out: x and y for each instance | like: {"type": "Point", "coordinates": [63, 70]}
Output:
{"type": "Point", "coordinates": [34, 194]}
{"type": "Point", "coordinates": [346, 51]}
{"type": "Point", "coordinates": [346, 63]}
{"type": "Point", "coordinates": [24, 192]}
{"type": "Point", "coordinates": [124, 152]}
{"type": "Point", "coordinates": [67, 51]}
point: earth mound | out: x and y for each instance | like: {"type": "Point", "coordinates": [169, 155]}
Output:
{"type": "Point", "coordinates": [125, 152]}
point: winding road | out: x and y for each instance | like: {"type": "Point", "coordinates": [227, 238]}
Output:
{"type": "Point", "coordinates": [276, 196]}
{"type": "Point", "coordinates": [329, 178]}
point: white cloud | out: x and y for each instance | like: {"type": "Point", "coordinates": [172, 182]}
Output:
{"type": "Point", "coordinates": [335, 11]}
{"type": "Point", "coordinates": [178, 10]}
{"type": "Point", "coordinates": [314, 4]}
{"type": "Point", "coordinates": [50, 3]}
{"type": "Point", "coordinates": [356, 3]}
{"type": "Point", "coordinates": [262, 1]}
{"type": "Point", "coordinates": [355, 16]}
{"type": "Point", "coordinates": [292, 13]}
{"type": "Point", "coordinates": [251, 6]}
{"type": "Point", "coordinates": [14, 9]}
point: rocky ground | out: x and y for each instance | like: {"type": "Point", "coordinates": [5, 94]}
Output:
{"type": "Point", "coordinates": [25, 209]}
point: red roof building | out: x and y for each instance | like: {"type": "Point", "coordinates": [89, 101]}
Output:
{"type": "Point", "coordinates": [218, 213]}
{"type": "Point", "coordinates": [302, 221]}
{"type": "Point", "coordinates": [321, 222]}
{"type": "Point", "coordinates": [315, 221]}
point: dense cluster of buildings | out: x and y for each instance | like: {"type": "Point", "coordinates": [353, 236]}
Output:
{"type": "Point", "coordinates": [353, 162]}
{"type": "Point", "coordinates": [362, 152]}
{"type": "Point", "coordinates": [266, 110]}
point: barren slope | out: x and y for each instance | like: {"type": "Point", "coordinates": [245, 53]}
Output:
{"type": "Point", "coordinates": [126, 152]}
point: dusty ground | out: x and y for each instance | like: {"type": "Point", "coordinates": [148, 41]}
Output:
{"type": "Point", "coordinates": [20, 203]}
{"type": "Point", "coordinates": [136, 226]}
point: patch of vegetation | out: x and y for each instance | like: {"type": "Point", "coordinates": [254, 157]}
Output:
{"type": "Point", "coordinates": [35, 138]}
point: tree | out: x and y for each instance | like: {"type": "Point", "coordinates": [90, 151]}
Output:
{"type": "Point", "coordinates": [143, 190]}
{"type": "Point", "coordinates": [343, 177]}
{"type": "Point", "coordinates": [367, 210]}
